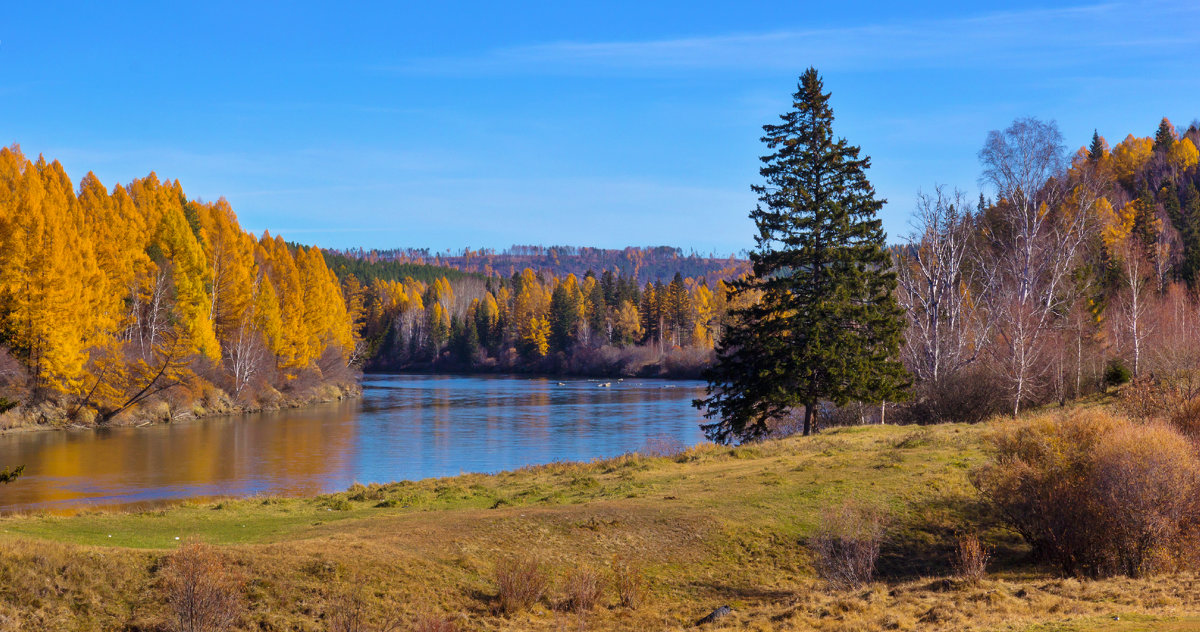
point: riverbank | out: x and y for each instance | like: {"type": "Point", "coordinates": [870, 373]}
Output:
{"type": "Point", "coordinates": [708, 526]}
{"type": "Point", "coordinates": [50, 414]}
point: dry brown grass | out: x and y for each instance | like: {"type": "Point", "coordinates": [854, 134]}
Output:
{"type": "Point", "coordinates": [724, 526]}
{"type": "Point", "coordinates": [349, 609]}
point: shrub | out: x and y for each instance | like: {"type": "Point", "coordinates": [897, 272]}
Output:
{"type": "Point", "coordinates": [349, 611]}
{"type": "Point", "coordinates": [629, 582]}
{"type": "Point", "coordinates": [971, 558]}
{"type": "Point", "coordinates": [971, 395]}
{"type": "Point", "coordinates": [1146, 399]}
{"type": "Point", "coordinates": [1116, 373]}
{"type": "Point", "coordinates": [14, 379]}
{"type": "Point", "coordinates": [1147, 483]}
{"type": "Point", "coordinates": [1185, 417]}
{"type": "Point", "coordinates": [435, 623]}
{"type": "Point", "coordinates": [203, 592]}
{"type": "Point", "coordinates": [1096, 494]}
{"type": "Point", "coordinates": [846, 544]}
{"type": "Point", "coordinates": [1174, 398]}
{"type": "Point", "coordinates": [521, 582]}
{"type": "Point", "coordinates": [583, 589]}
{"type": "Point", "coordinates": [788, 424]}
{"type": "Point", "coordinates": [852, 414]}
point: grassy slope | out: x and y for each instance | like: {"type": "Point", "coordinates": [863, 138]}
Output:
{"type": "Point", "coordinates": [713, 526]}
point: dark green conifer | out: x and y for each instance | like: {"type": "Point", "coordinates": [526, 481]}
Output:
{"type": "Point", "coordinates": [1096, 151]}
{"type": "Point", "coordinates": [564, 319]}
{"type": "Point", "coordinates": [598, 316]}
{"type": "Point", "coordinates": [1165, 136]}
{"type": "Point", "coordinates": [826, 325]}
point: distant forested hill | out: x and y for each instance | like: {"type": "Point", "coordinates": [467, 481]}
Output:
{"type": "Point", "coordinates": [369, 268]}
{"type": "Point", "coordinates": [645, 264]}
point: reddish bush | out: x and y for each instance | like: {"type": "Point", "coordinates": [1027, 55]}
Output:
{"type": "Point", "coordinates": [629, 582]}
{"type": "Point", "coordinates": [435, 623]}
{"type": "Point", "coordinates": [1096, 494]}
{"type": "Point", "coordinates": [662, 445]}
{"type": "Point", "coordinates": [203, 591]}
{"type": "Point", "coordinates": [969, 396]}
{"type": "Point", "coordinates": [971, 558]}
{"type": "Point", "coordinates": [846, 544]}
{"type": "Point", "coordinates": [583, 588]}
{"type": "Point", "coordinates": [521, 582]}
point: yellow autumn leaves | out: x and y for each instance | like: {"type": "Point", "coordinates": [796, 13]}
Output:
{"type": "Point", "coordinates": [96, 280]}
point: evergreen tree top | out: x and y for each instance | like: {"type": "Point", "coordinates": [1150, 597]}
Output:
{"type": "Point", "coordinates": [1098, 149]}
{"type": "Point", "coordinates": [1165, 136]}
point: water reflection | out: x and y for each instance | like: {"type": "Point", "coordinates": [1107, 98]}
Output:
{"type": "Point", "coordinates": [404, 427]}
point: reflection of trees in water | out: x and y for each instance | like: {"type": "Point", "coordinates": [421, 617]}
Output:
{"type": "Point", "coordinates": [425, 426]}
{"type": "Point", "coordinates": [286, 452]}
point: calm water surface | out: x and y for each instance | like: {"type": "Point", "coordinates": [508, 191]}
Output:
{"type": "Point", "coordinates": [404, 427]}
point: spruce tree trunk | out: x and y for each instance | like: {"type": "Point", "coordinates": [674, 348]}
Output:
{"type": "Point", "coordinates": [809, 409]}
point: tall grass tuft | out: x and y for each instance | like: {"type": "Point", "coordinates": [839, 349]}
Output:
{"type": "Point", "coordinates": [971, 557]}
{"type": "Point", "coordinates": [629, 582]}
{"type": "Point", "coordinates": [348, 610]}
{"type": "Point", "coordinates": [435, 623]}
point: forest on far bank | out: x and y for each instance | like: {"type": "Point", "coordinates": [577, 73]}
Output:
{"type": "Point", "coordinates": [1082, 272]}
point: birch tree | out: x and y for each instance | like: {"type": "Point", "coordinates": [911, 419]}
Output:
{"type": "Point", "coordinates": [944, 331]}
{"type": "Point", "coordinates": [1035, 240]}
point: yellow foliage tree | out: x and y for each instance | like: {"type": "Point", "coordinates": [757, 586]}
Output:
{"type": "Point", "coordinates": [184, 258]}
{"type": "Point", "coordinates": [1129, 156]}
{"type": "Point", "coordinates": [1183, 154]}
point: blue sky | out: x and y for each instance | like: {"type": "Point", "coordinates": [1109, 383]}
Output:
{"type": "Point", "coordinates": [445, 125]}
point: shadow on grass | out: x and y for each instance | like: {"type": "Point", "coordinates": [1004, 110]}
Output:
{"type": "Point", "coordinates": [723, 592]}
{"type": "Point", "coordinates": [924, 544]}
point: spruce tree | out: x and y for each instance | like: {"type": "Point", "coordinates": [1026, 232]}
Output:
{"type": "Point", "coordinates": [1096, 151]}
{"type": "Point", "coordinates": [598, 314]}
{"type": "Point", "coordinates": [1165, 136]}
{"type": "Point", "coordinates": [822, 322]}
{"type": "Point", "coordinates": [564, 318]}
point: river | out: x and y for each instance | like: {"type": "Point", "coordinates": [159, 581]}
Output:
{"type": "Point", "coordinates": [403, 427]}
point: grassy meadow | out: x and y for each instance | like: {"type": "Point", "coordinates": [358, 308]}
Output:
{"type": "Point", "coordinates": [710, 526]}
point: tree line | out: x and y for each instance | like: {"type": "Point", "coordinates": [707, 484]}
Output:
{"type": "Point", "coordinates": [533, 321]}
{"type": "Point", "coordinates": [110, 297]}
{"type": "Point", "coordinates": [641, 264]}
{"type": "Point", "coordinates": [1081, 272]}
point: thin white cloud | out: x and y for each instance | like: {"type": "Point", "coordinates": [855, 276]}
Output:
{"type": "Point", "coordinates": [1042, 37]}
